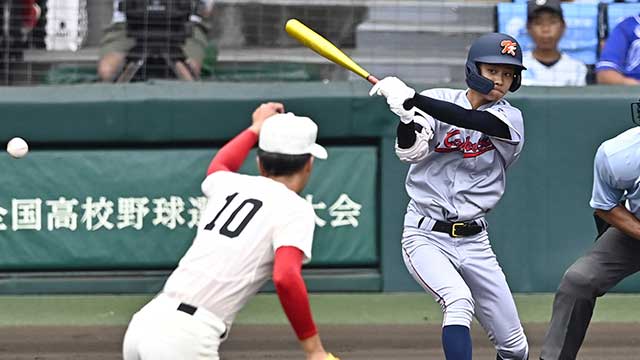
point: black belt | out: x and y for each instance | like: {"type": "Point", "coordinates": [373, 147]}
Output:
{"type": "Point", "coordinates": [186, 308]}
{"type": "Point", "coordinates": [458, 229]}
{"type": "Point", "coordinates": [190, 309]}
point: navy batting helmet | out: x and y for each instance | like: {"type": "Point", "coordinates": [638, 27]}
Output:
{"type": "Point", "coordinates": [494, 48]}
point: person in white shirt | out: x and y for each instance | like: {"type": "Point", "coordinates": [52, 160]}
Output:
{"type": "Point", "coordinates": [253, 228]}
{"type": "Point", "coordinates": [546, 64]}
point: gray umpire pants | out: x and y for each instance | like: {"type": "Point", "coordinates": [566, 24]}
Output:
{"type": "Point", "coordinates": [613, 257]}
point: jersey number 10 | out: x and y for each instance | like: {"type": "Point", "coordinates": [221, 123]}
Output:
{"type": "Point", "coordinates": [225, 230]}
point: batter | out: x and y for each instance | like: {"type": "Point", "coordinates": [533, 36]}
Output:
{"type": "Point", "coordinates": [460, 144]}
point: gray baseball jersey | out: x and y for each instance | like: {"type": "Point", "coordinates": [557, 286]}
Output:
{"type": "Point", "coordinates": [463, 177]}
{"type": "Point", "coordinates": [616, 173]}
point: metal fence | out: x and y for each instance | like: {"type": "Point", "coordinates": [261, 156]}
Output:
{"type": "Point", "coordinates": [425, 41]}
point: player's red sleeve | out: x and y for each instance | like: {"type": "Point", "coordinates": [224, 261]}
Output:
{"type": "Point", "coordinates": [292, 292]}
{"type": "Point", "coordinates": [233, 153]}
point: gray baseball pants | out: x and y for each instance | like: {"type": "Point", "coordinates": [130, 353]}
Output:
{"type": "Point", "coordinates": [613, 257]}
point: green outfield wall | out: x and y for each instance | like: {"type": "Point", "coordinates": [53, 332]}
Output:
{"type": "Point", "coordinates": [109, 198]}
{"type": "Point", "coordinates": [139, 209]}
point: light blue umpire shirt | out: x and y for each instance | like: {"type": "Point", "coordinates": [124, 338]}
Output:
{"type": "Point", "coordinates": [617, 173]}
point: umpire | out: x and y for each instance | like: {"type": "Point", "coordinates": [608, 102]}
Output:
{"type": "Point", "coordinates": [616, 253]}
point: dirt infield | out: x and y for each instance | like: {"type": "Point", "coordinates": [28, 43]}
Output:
{"type": "Point", "coordinates": [353, 342]}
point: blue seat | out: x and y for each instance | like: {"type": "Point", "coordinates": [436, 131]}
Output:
{"type": "Point", "coordinates": [580, 40]}
{"type": "Point", "coordinates": [616, 12]}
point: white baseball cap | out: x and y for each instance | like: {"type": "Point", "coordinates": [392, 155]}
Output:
{"type": "Point", "coordinates": [290, 135]}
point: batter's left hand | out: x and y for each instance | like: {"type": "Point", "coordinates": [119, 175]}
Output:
{"type": "Point", "coordinates": [396, 92]}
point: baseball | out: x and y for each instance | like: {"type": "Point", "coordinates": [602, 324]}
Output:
{"type": "Point", "coordinates": [17, 147]}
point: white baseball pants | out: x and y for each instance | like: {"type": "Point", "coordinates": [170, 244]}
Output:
{"type": "Point", "coordinates": [159, 331]}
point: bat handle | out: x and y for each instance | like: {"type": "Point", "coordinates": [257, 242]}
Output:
{"type": "Point", "coordinates": [372, 79]}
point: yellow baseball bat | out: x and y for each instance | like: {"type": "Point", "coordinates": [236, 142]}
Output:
{"type": "Point", "coordinates": [324, 47]}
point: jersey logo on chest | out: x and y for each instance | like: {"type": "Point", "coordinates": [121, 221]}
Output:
{"type": "Point", "coordinates": [453, 142]}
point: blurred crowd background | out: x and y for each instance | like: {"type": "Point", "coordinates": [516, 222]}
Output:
{"type": "Point", "coordinates": [74, 41]}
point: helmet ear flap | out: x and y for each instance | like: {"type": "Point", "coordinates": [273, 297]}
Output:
{"type": "Point", "coordinates": [517, 81]}
{"type": "Point", "coordinates": [476, 81]}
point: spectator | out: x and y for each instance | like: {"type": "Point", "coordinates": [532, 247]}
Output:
{"type": "Point", "coordinates": [29, 14]}
{"type": "Point", "coordinates": [546, 64]}
{"type": "Point", "coordinates": [18, 19]}
{"type": "Point", "coordinates": [619, 62]}
{"type": "Point", "coordinates": [115, 43]}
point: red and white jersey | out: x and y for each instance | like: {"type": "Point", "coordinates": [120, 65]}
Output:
{"type": "Point", "coordinates": [246, 219]}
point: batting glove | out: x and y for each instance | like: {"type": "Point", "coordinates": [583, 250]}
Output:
{"type": "Point", "coordinates": [331, 357]}
{"type": "Point", "coordinates": [396, 92]}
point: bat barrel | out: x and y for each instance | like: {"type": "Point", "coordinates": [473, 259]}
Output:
{"type": "Point", "coordinates": [325, 48]}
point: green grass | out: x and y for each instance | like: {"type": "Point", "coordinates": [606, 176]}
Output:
{"type": "Point", "coordinates": [405, 308]}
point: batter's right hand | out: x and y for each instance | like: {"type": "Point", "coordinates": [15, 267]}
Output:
{"type": "Point", "coordinates": [262, 113]}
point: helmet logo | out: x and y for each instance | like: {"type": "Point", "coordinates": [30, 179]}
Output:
{"type": "Point", "coordinates": [509, 47]}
